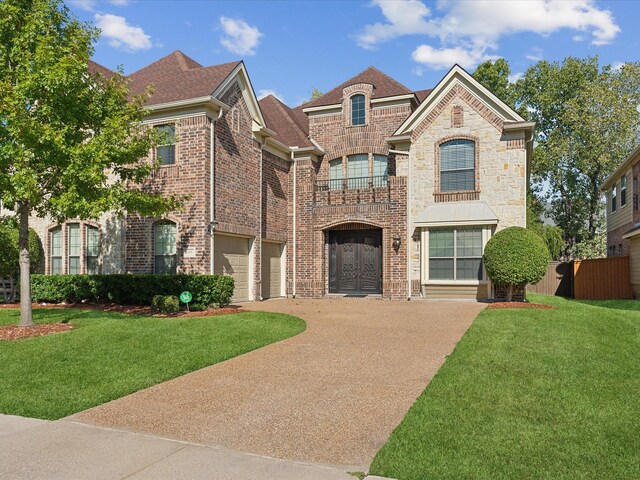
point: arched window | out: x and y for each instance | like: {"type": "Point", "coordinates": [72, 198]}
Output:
{"type": "Point", "coordinates": [164, 241]}
{"type": "Point", "coordinates": [357, 110]}
{"type": "Point", "coordinates": [457, 166]}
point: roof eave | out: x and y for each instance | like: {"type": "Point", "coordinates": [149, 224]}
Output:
{"type": "Point", "coordinates": [189, 102]}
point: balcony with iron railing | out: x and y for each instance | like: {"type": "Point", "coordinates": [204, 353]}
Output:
{"type": "Point", "coordinates": [349, 191]}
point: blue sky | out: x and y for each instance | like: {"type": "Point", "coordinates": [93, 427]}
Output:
{"type": "Point", "coordinates": [290, 47]}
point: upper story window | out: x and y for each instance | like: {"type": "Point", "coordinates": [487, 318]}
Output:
{"type": "Point", "coordinates": [164, 247]}
{"type": "Point", "coordinates": [56, 251]}
{"type": "Point", "coordinates": [358, 171]}
{"type": "Point", "coordinates": [357, 110]}
{"type": "Point", "coordinates": [74, 248]}
{"type": "Point", "coordinates": [380, 170]}
{"type": "Point", "coordinates": [457, 166]}
{"type": "Point", "coordinates": [166, 150]}
{"type": "Point", "coordinates": [335, 174]}
{"type": "Point", "coordinates": [623, 191]}
{"type": "Point", "coordinates": [614, 199]}
{"type": "Point", "coordinates": [93, 250]}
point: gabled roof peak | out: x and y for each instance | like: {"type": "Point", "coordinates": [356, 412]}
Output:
{"type": "Point", "coordinates": [384, 86]}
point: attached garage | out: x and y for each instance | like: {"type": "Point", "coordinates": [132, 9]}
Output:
{"type": "Point", "coordinates": [231, 257]}
{"type": "Point", "coordinates": [271, 270]}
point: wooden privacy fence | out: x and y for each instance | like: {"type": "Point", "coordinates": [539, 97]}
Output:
{"type": "Point", "coordinates": [557, 281]}
{"type": "Point", "coordinates": [601, 279]}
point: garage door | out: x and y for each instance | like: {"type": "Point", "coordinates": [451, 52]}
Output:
{"type": "Point", "coordinates": [231, 257]}
{"type": "Point", "coordinates": [271, 270]}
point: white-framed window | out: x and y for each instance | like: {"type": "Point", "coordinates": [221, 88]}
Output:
{"type": "Point", "coordinates": [358, 116]}
{"type": "Point", "coordinates": [335, 174]}
{"type": "Point", "coordinates": [56, 251]}
{"type": "Point", "coordinates": [455, 253]}
{"type": "Point", "coordinates": [73, 248]}
{"type": "Point", "coordinates": [623, 191]}
{"type": "Point", "coordinates": [166, 150]}
{"type": "Point", "coordinates": [164, 240]}
{"type": "Point", "coordinates": [358, 171]}
{"type": "Point", "coordinates": [457, 166]}
{"type": "Point", "coordinates": [93, 250]}
{"type": "Point", "coordinates": [614, 198]}
{"type": "Point", "coordinates": [380, 170]}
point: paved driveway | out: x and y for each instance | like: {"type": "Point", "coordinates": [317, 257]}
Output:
{"type": "Point", "coordinates": [330, 395]}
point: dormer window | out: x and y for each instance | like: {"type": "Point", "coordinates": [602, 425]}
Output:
{"type": "Point", "coordinates": [357, 110]}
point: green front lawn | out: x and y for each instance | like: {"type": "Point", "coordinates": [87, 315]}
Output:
{"type": "Point", "coordinates": [529, 394]}
{"type": "Point", "coordinates": [111, 355]}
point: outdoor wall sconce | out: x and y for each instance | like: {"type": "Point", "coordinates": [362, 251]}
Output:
{"type": "Point", "coordinates": [396, 243]}
{"type": "Point", "coordinates": [212, 227]}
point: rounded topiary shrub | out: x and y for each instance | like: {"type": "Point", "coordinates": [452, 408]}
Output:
{"type": "Point", "coordinates": [513, 258]}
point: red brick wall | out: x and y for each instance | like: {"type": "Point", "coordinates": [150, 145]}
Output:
{"type": "Point", "coordinates": [317, 213]}
{"type": "Point", "coordinates": [275, 195]}
{"type": "Point", "coordinates": [188, 176]}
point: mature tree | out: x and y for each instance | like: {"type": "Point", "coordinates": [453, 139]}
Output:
{"type": "Point", "coordinates": [494, 75]}
{"type": "Point", "coordinates": [316, 93]}
{"type": "Point", "coordinates": [70, 142]}
{"type": "Point", "coordinates": [586, 123]}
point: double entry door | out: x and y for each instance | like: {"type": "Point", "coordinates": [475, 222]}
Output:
{"type": "Point", "coordinates": [355, 262]}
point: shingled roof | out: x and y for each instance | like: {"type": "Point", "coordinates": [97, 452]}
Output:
{"type": "Point", "coordinates": [383, 86]}
{"type": "Point", "coordinates": [178, 77]}
{"type": "Point", "coordinates": [288, 124]}
{"type": "Point", "coordinates": [95, 68]}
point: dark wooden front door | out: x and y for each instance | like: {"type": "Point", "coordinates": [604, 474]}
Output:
{"type": "Point", "coordinates": [355, 262]}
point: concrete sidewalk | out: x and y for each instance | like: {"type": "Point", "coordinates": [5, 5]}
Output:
{"type": "Point", "coordinates": [37, 449]}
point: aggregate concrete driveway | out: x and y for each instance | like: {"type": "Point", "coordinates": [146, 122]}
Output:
{"type": "Point", "coordinates": [331, 395]}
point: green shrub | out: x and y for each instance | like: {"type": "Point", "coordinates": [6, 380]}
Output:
{"type": "Point", "coordinates": [515, 257]}
{"type": "Point", "coordinates": [208, 290]}
{"type": "Point", "coordinates": [166, 303]}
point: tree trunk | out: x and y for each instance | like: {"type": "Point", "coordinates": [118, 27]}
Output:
{"type": "Point", "coordinates": [25, 266]}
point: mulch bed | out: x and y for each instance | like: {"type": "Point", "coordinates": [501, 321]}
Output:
{"type": "Point", "coordinates": [540, 306]}
{"type": "Point", "coordinates": [14, 332]}
{"type": "Point", "coordinates": [129, 309]}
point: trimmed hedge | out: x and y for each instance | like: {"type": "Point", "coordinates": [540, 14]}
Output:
{"type": "Point", "coordinates": [166, 303]}
{"type": "Point", "coordinates": [515, 257]}
{"type": "Point", "coordinates": [208, 290]}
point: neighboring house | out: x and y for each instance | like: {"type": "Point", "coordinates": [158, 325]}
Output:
{"type": "Point", "coordinates": [623, 216]}
{"type": "Point", "coordinates": [371, 189]}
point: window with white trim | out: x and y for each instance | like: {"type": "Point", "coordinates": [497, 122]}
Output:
{"type": "Point", "coordinates": [380, 170]}
{"type": "Point", "coordinates": [357, 110]}
{"type": "Point", "coordinates": [614, 199]}
{"type": "Point", "coordinates": [358, 171]}
{"type": "Point", "coordinates": [455, 254]}
{"type": "Point", "coordinates": [166, 149]}
{"type": "Point", "coordinates": [93, 250]}
{"type": "Point", "coordinates": [335, 174]}
{"type": "Point", "coordinates": [56, 251]}
{"type": "Point", "coordinates": [623, 191]}
{"type": "Point", "coordinates": [73, 248]}
{"type": "Point", "coordinates": [165, 247]}
{"type": "Point", "coordinates": [457, 166]}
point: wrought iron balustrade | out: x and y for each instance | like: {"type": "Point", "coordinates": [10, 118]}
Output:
{"type": "Point", "coordinates": [358, 183]}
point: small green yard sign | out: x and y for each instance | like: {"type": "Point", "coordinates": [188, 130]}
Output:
{"type": "Point", "coordinates": [186, 297]}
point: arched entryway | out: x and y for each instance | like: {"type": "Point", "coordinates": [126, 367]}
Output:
{"type": "Point", "coordinates": [355, 260]}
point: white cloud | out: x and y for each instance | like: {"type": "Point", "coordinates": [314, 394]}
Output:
{"type": "Point", "coordinates": [267, 91]}
{"type": "Point", "coordinates": [535, 54]}
{"type": "Point", "coordinates": [120, 34]}
{"type": "Point", "coordinates": [239, 37]}
{"type": "Point", "coordinates": [119, 3]}
{"type": "Point", "coordinates": [514, 77]}
{"type": "Point", "coordinates": [87, 5]}
{"type": "Point", "coordinates": [441, 58]}
{"type": "Point", "coordinates": [469, 30]}
{"type": "Point", "coordinates": [617, 66]}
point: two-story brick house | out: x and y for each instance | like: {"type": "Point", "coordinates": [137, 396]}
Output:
{"type": "Point", "coordinates": [371, 189]}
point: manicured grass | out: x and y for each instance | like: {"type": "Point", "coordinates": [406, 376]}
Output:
{"type": "Point", "coordinates": [529, 394]}
{"type": "Point", "coordinates": [111, 355]}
